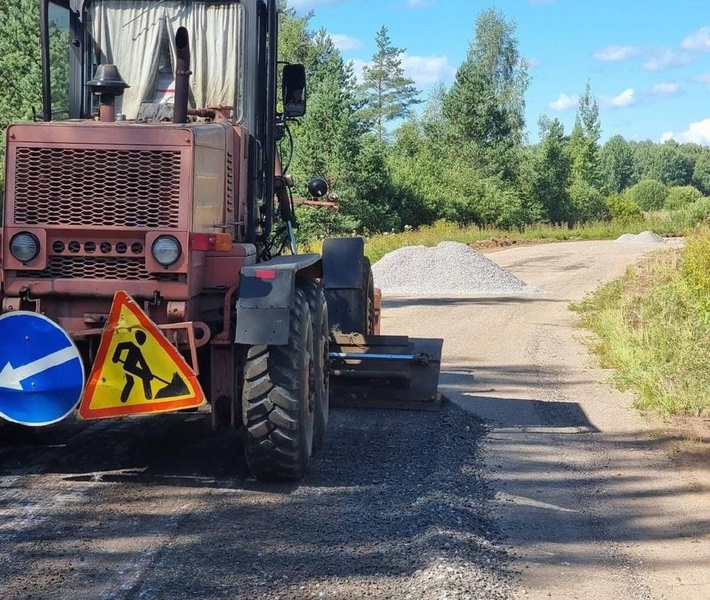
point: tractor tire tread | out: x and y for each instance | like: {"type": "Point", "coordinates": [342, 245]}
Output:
{"type": "Point", "coordinates": [273, 443]}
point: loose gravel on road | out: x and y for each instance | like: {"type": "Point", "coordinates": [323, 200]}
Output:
{"type": "Point", "coordinates": [395, 506]}
{"type": "Point", "coordinates": [645, 237]}
{"type": "Point", "coordinates": [449, 269]}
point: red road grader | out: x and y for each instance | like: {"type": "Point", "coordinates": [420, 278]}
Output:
{"type": "Point", "coordinates": [148, 239]}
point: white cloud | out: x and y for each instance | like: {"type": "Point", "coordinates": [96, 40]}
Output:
{"type": "Point", "coordinates": [427, 70]}
{"type": "Point", "coordinates": [698, 41]}
{"type": "Point", "coordinates": [419, 3]}
{"type": "Point", "coordinates": [625, 98]}
{"type": "Point", "coordinates": [616, 53]}
{"type": "Point", "coordinates": [697, 133]}
{"type": "Point", "coordinates": [564, 102]}
{"type": "Point", "coordinates": [424, 70]}
{"type": "Point", "coordinates": [703, 78]}
{"type": "Point", "coordinates": [345, 43]}
{"type": "Point", "coordinates": [665, 89]}
{"type": "Point", "coordinates": [667, 59]}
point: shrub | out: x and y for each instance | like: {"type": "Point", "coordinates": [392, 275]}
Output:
{"type": "Point", "coordinates": [696, 265]}
{"type": "Point", "coordinates": [588, 202]}
{"type": "Point", "coordinates": [681, 196]}
{"type": "Point", "coordinates": [648, 194]}
{"type": "Point", "coordinates": [693, 214]}
{"type": "Point", "coordinates": [623, 209]}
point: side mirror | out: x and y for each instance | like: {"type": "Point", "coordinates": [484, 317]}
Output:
{"type": "Point", "coordinates": [294, 91]}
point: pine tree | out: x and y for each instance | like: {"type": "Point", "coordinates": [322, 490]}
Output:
{"type": "Point", "coordinates": [387, 93]}
{"type": "Point", "coordinates": [485, 107]}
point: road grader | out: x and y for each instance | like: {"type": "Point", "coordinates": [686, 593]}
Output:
{"type": "Point", "coordinates": [148, 239]}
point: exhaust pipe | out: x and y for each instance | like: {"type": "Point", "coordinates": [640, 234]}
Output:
{"type": "Point", "coordinates": [182, 75]}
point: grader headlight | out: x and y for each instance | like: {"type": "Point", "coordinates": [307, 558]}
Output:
{"type": "Point", "coordinates": [166, 250]}
{"type": "Point", "coordinates": [24, 247]}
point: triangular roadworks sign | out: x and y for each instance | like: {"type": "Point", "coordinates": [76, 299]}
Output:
{"type": "Point", "coordinates": [137, 370]}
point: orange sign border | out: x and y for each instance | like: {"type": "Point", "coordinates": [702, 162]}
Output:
{"type": "Point", "coordinates": [122, 299]}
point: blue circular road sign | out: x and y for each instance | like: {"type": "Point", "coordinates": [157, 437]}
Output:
{"type": "Point", "coordinates": [41, 371]}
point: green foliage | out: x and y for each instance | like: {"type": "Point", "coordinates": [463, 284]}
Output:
{"type": "Point", "coordinates": [316, 224]}
{"type": "Point", "coordinates": [485, 106]}
{"type": "Point", "coordinates": [701, 172]}
{"type": "Point", "coordinates": [588, 202]}
{"type": "Point", "coordinates": [623, 210]}
{"type": "Point", "coordinates": [551, 173]}
{"type": "Point", "coordinates": [387, 93]}
{"type": "Point", "coordinates": [653, 327]}
{"type": "Point", "coordinates": [696, 268]}
{"type": "Point", "coordinates": [681, 196]}
{"type": "Point", "coordinates": [584, 141]}
{"type": "Point", "coordinates": [20, 64]}
{"type": "Point", "coordinates": [666, 163]}
{"type": "Point", "coordinates": [616, 164]}
{"type": "Point", "coordinates": [648, 194]}
{"type": "Point", "coordinates": [693, 214]}
{"type": "Point", "coordinates": [415, 172]}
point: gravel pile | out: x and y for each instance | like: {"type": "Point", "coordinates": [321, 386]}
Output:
{"type": "Point", "coordinates": [645, 237]}
{"type": "Point", "coordinates": [450, 269]}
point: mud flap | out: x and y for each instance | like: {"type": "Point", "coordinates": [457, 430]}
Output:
{"type": "Point", "coordinates": [380, 371]}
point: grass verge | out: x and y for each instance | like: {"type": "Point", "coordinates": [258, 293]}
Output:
{"type": "Point", "coordinates": [653, 328]}
{"type": "Point", "coordinates": [379, 245]}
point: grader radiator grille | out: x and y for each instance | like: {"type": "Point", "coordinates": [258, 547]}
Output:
{"type": "Point", "coordinates": [97, 188]}
{"type": "Point", "coordinates": [124, 269]}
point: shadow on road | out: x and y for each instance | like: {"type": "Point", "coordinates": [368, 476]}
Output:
{"type": "Point", "coordinates": [489, 300]}
{"type": "Point", "coordinates": [391, 493]}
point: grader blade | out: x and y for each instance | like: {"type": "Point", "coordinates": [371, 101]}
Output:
{"type": "Point", "coordinates": [384, 371]}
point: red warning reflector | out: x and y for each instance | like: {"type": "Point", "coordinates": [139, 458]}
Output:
{"type": "Point", "coordinates": [201, 242]}
{"type": "Point", "coordinates": [264, 274]}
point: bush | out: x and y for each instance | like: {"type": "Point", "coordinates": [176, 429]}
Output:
{"type": "Point", "coordinates": [623, 209]}
{"type": "Point", "coordinates": [588, 202]}
{"type": "Point", "coordinates": [681, 196]}
{"type": "Point", "coordinates": [648, 194]}
{"type": "Point", "coordinates": [696, 266]}
{"type": "Point", "coordinates": [694, 214]}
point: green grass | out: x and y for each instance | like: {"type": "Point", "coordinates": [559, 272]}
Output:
{"type": "Point", "coordinates": [379, 245]}
{"type": "Point", "coordinates": [653, 328]}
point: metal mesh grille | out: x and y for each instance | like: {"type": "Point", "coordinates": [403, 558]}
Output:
{"type": "Point", "coordinates": [97, 188]}
{"type": "Point", "coordinates": [83, 267]}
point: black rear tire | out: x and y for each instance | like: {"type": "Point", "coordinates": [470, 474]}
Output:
{"type": "Point", "coordinates": [321, 347]}
{"type": "Point", "coordinates": [278, 402]}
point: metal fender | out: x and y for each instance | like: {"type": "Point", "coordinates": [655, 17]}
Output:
{"type": "Point", "coordinates": [266, 293]}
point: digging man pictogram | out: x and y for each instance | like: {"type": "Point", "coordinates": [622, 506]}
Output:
{"type": "Point", "coordinates": [135, 365]}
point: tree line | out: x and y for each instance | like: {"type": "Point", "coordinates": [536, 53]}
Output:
{"type": "Point", "coordinates": [394, 160]}
{"type": "Point", "coordinates": [463, 155]}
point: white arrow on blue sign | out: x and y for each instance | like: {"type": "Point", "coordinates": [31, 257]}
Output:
{"type": "Point", "coordinates": [41, 371]}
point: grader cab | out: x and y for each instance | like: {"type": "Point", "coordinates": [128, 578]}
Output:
{"type": "Point", "coordinates": [148, 261]}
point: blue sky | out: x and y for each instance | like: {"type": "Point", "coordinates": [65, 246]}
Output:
{"type": "Point", "coordinates": [648, 61]}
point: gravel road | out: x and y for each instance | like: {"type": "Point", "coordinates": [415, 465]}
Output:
{"type": "Point", "coordinates": [394, 507]}
{"type": "Point", "coordinates": [590, 501]}
{"type": "Point", "coordinates": [537, 481]}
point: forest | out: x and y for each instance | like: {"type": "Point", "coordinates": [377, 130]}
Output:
{"type": "Point", "coordinates": [397, 160]}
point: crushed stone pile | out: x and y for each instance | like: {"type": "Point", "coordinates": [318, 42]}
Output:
{"type": "Point", "coordinates": [449, 269]}
{"type": "Point", "coordinates": [645, 237]}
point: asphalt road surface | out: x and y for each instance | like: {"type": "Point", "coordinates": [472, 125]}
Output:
{"type": "Point", "coordinates": [536, 481]}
